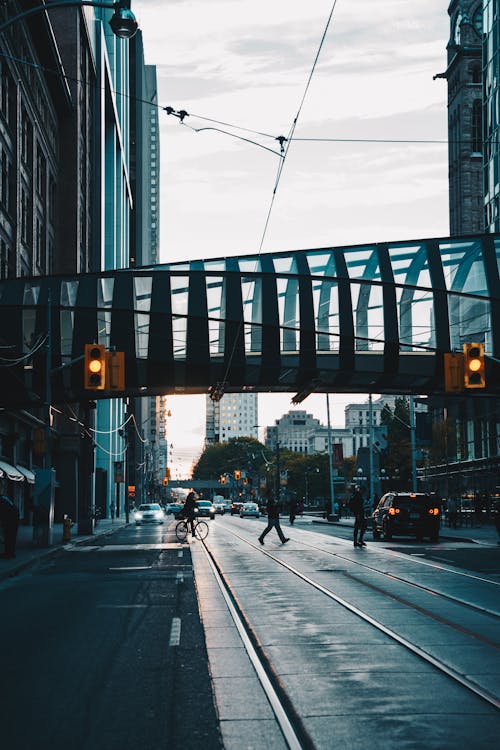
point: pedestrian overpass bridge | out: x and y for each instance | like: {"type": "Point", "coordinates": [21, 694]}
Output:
{"type": "Point", "coordinates": [367, 318]}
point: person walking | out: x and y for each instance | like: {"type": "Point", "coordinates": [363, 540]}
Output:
{"type": "Point", "coordinates": [293, 510]}
{"type": "Point", "coordinates": [273, 521]}
{"type": "Point", "coordinates": [357, 506]}
{"type": "Point", "coordinates": [9, 521]}
{"type": "Point", "coordinates": [496, 517]}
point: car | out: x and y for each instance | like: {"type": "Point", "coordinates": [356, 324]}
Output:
{"type": "Point", "coordinates": [149, 513]}
{"type": "Point", "coordinates": [220, 508]}
{"type": "Point", "coordinates": [174, 508]}
{"type": "Point", "coordinates": [235, 507]}
{"type": "Point", "coordinates": [249, 509]}
{"type": "Point", "coordinates": [205, 509]}
{"type": "Point", "coordinates": [407, 514]}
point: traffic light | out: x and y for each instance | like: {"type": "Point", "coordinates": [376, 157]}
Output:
{"type": "Point", "coordinates": [95, 367]}
{"type": "Point", "coordinates": [474, 376]}
{"type": "Point", "coordinates": [39, 441]}
{"type": "Point", "coordinates": [223, 479]}
{"type": "Point", "coordinates": [237, 475]}
{"type": "Point", "coordinates": [115, 371]}
{"type": "Point", "coordinates": [453, 372]}
{"type": "Point", "coordinates": [165, 481]}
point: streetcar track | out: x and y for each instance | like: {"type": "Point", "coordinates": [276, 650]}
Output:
{"type": "Point", "coordinates": [453, 674]}
{"type": "Point", "coordinates": [426, 589]}
{"type": "Point", "coordinates": [290, 724]}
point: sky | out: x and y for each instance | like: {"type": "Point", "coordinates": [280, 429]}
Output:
{"type": "Point", "coordinates": [247, 63]}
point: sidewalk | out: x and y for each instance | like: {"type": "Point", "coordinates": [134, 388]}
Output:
{"type": "Point", "coordinates": [28, 553]}
{"type": "Point", "coordinates": [485, 534]}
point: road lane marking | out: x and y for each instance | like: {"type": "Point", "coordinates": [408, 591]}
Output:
{"type": "Point", "coordinates": [122, 606]}
{"type": "Point", "coordinates": [180, 553]}
{"type": "Point", "coordinates": [133, 567]}
{"type": "Point", "coordinates": [179, 578]}
{"type": "Point", "coordinates": [175, 632]}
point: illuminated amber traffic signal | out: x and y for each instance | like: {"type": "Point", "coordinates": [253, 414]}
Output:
{"type": "Point", "coordinates": [237, 475]}
{"type": "Point", "coordinates": [223, 479]}
{"type": "Point", "coordinates": [95, 367]}
{"type": "Point", "coordinates": [474, 375]}
{"type": "Point", "coordinates": [165, 481]}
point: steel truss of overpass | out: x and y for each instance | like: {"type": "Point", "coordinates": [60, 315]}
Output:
{"type": "Point", "coordinates": [367, 318]}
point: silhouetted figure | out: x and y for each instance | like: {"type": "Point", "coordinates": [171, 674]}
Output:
{"type": "Point", "coordinates": [293, 511]}
{"type": "Point", "coordinates": [9, 521]}
{"type": "Point", "coordinates": [189, 510]}
{"type": "Point", "coordinates": [357, 506]}
{"type": "Point", "coordinates": [273, 521]}
{"type": "Point", "coordinates": [496, 517]}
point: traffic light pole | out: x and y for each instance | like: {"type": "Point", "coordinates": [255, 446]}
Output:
{"type": "Point", "coordinates": [47, 459]}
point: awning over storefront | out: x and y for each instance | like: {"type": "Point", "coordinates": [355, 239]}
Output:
{"type": "Point", "coordinates": [10, 472]}
{"type": "Point", "coordinates": [27, 473]}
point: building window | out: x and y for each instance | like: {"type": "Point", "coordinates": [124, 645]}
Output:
{"type": "Point", "coordinates": [477, 127]}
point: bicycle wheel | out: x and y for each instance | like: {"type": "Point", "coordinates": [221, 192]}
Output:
{"type": "Point", "coordinates": [201, 529]}
{"type": "Point", "coordinates": [181, 531]}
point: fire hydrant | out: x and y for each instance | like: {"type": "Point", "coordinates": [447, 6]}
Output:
{"type": "Point", "coordinates": [67, 524]}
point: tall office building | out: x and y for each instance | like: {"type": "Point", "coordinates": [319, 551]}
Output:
{"type": "Point", "coordinates": [235, 415]}
{"type": "Point", "coordinates": [465, 149]}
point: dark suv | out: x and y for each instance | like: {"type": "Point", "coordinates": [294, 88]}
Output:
{"type": "Point", "coordinates": [406, 514]}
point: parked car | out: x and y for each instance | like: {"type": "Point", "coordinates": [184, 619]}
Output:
{"type": "Point", "coordinates": [205, 509]}
{"type": "Point", "coordinates": [249, 509]}
{"type": "Point", "coordinates": [407, 514]}
{"type": "Point", "coordinates": [235, 507]}
{"type": "Point", "coordinates": [149, 513]}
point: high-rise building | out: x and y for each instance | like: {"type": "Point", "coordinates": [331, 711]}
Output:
{"type": "Point", "coordinates": [465, 114]}
{"type": "Point", "coordinates": [235, 415]}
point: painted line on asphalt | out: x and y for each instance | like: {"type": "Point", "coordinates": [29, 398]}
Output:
{"type": "Point", "coordinates": [175, 632]}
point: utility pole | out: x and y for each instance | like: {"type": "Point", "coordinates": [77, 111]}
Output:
{"type": "Point", "coordinates": [330, 458]}
{"type": "Point", "coordinates": [413, 445]}
{"type": "Point", "coordinates": [370, 449]}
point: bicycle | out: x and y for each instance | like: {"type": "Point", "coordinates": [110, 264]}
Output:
{"type": "Point", "coordinates": [200, 529]}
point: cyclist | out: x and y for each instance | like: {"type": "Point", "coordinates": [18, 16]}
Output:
{"type": "Point", "coordinates": [189, 510]}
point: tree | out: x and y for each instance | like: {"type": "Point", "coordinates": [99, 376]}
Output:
{"type": "Point", "coordinates": [243, 454]}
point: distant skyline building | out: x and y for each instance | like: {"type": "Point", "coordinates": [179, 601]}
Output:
{"type": "Point", "coordinates": [235, 415]}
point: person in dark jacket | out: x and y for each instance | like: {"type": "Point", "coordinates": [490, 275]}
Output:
{"type": "Point", "coordinates": [189, 510]}
{"type": "Point", "coordinates": [293, 510]}
{"type": "Point", "coordinates": [9, 521]}
{"type": "Point", "coordinates": [273, 521]}
{"type": "Point", "coordinates": [356, 506]}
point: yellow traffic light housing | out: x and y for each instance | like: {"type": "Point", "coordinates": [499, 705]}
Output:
{"type": "Point", "coordinates": [165, 481]}
{"type": "Point", "coordinates": [115, 371]}
{"type": "Point", "coordinates": [223, 479]}
{"type": "Point", "coordinates": [474, 374]}
{"type": "Point", "coordinates": [237, 475]}
{"type": "Point", "coordinates": [95, 367]}
{"type": "Point", "coordinates": [453, 372]}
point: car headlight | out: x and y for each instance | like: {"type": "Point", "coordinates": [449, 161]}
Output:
{"type": "Point", "coordinates": [138, 515]}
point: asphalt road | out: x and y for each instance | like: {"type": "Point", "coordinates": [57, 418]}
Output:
{"type": "Point", "coordinates": [102, 647]}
